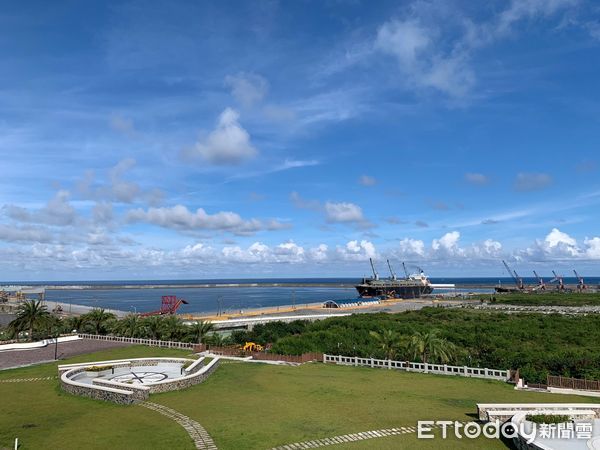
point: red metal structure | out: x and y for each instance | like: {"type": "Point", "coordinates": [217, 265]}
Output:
{"type": "Point", "coordinates": [169, 305]}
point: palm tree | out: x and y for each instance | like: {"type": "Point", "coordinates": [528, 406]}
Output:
{"type": "Point", "coordinates": [215, 339]}
{"type": "Point", "coordinates": [129, 326]}
{"type": "Point", "coordinates": [387, 341]}
{"type": "Point", "coordinates": [153, 327]}
{"type": "Point", "coordinates": [430, 346]}
{"type": "Point", "coordinates": [73, 323]}
{"type": "Point", "coordinates": [98, 319]}
{"type": "Point", "coordinates": [173, 328]}
{"type": "Point", "coordinates": [30, 315]}
{"type": "Point", "coordinates": [199, 329]}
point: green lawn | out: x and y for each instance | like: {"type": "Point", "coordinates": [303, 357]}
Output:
{"type": "Point", "coordinates": [547, 299]}
{"type": "Point", "coordinates": [250, 406]}
{"type": "Point", "coordinates": [255, 406]}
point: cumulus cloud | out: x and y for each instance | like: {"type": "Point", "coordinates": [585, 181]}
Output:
{"type": "Point", "coordinates": [117, 188]}
{"type": "Point", "coordinates": [447, 244]}
{"type": "Point", "coordinates": [357, 251]}
{"type": "Point", "coordinates": [58, 211]}
{"type": "Point", "coordinates": [247, 88]}
{"type": "Point", "coordinates": [367, 180]}
{"type": "Point", "coordinates": [228, 144]}
{"type": "Point", "coordinates": [24, 234]}
{"type": "Point", "coordinates": [527, 182]}
{"type": "Point", "coordinates": [319, 253]}
{"type": "Point", "coordinates": [343, 212]}
{"type": "Point", "coordinates": [558, 245]}
{"type": "Point", "coordinates": [180, 217]}
{"type": "Point", "coordinates": [408, 247]}
{"type": "Point", "coordinates": [477, 179]}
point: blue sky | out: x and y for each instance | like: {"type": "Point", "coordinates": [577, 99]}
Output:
{"type": "Point", "coordinates": [231, 139]}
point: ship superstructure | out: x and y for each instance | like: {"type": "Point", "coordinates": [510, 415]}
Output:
{"type": "Point", "coordinates": [411, 286]}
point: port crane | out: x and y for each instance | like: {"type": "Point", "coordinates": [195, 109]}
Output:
{"type": "Point", "coordinates": [580, 282]}
{"type": "Point", "coordinates": [405, 270]}
{"type": "Point", "coordinates": [561, 285]}
{"type": "Point", "coordinates": [392, 274]}
{"type": "Point", "coordinates": [540, 280]}
{"type": "Point", "coordinates": [169, 305]}
{"type": "Point", "coordinates": [375, 274]}
{"type": "Point", "coordinates": [517, 279]}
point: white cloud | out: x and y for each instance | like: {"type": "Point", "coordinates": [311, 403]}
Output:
{"type": "Point", "coordinates": [448, 244]}
{"type": "Point", "coordinates": [526, 182]}
{"type": "Point", "coordinates": [433, 45]}
{"type": "Point", "coordinates": [247, 88]}
{"type": "Point", "coordinates": [420, 59]}
{"type": "Point", "coordinates": [343, 212]}
{"type": "Point", "coordinates": [357, 251]}
{"type": "Point", "coordinates": [367, 180]}
{"type": "Point", "coordinates": [319, 253]}
{"type": "Point", "coordinates": [24, 234]}
{"type": "Point", "coordinates": [411, 247]}
{"type": "Point", "coordinates": [180, 218]}
{"type": "Point", "coordinates": [117, 189]}
{"type": "Point", "coordinates": [58, 211]}
{"type": "Point", "coordinates": [593, 247]}
{"type": "Point", "coordinates": [227, 144]}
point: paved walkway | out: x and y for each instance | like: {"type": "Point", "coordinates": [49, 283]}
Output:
{"type": "Point", "coordinates": [27, 380]}
{"type": "Point", "coordinates": [199, 435]}
{"type": "Point", "coordinates": [19, 358]}
{"type": "Point", "coordinates": [353, 437]}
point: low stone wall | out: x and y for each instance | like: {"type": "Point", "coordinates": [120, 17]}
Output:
{"type": "Point", "coordinates": [513, 408]}
{"type": "Point", "coordinates": [109, 394]}
{"type": "Point", "coordinates": [190, 380]}
{"type": "Point", "coordinates": [125, 393]}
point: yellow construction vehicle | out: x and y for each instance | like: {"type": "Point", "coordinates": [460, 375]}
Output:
{"type": "Point", "coordinates": [252, 347]}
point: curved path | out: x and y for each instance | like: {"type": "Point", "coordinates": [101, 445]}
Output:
{"type": "Point", "coordinates": [351, 437]}
{"type": "Point", "coordinates": [199, 435]}
{"type": "Point", "coordinates": [28, 380]}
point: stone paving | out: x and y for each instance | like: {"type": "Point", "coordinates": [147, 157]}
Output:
{"type": "Point", "coordinates": [353, 437]}
{"type": "Point", "coordinates": [27, 380]}
{"type": "Point", "coordinates": [199, 435]}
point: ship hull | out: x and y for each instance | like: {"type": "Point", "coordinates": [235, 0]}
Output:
{"type": "Point", "coordinates": [366, 291]}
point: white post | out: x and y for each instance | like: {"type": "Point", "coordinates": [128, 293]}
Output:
{"type": "Point", "coordinates": [372, 365]}
{"type": "Point", "coordinates": [16, 443]}
{"type": "Point", "coordinates": [466, 371]}
{"type": "Point", "coordinates": [445, 368]}
{"type": "Point", "coordinates": [426, 368]}
{"type": "Point", "coordinates": [389, 364]}
{"type": "Point", "coordinates": [485, 371]}
{"type": "Point", "coordinates": [355, 361]}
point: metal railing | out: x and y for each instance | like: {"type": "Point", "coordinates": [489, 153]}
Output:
{"type": "Point", "coordinates": [441, 369]}
{"type": "Point", "coordinates": [140, 341]}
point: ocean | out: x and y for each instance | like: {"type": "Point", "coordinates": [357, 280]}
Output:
{"type": "Point", "coordinates": [232, 299]}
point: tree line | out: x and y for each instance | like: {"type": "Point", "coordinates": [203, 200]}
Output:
{"type": "Point", "coordinates": [34, 321]}
{"type": "Point", "coordinates": [537, 344]}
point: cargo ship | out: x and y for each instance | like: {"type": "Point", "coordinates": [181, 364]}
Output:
{"type": "Point", "coordinates": [411, 286]}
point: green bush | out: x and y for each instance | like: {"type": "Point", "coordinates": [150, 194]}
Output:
{"type": "Point", "coordinates": [547, 418]}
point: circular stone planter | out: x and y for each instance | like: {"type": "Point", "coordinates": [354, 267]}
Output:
{"type": "Point", "coordinates": [133, 380]}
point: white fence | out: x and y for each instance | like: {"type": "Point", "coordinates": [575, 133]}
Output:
{"type": "Point", "coordinates": [441, 369]}
{"type": "Point", "coordinates": [128, 340]}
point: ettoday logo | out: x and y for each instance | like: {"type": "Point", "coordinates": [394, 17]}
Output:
{"type": "Point", "coordinates": [494, 430]}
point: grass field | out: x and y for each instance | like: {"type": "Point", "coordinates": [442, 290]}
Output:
{"type": "Point", "coordinates": [548, 299]}
{"type": "Point", "coordinates": [250, 406]}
